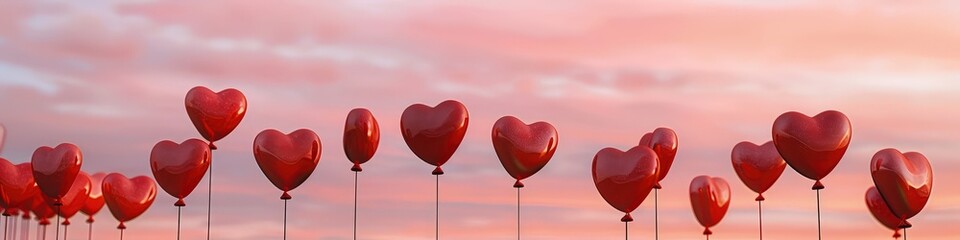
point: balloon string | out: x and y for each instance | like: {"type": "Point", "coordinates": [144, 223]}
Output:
{"type": "Point", "coordinates": [209, 192]}
{"type": "Point", "coordinates": [518, 213]}
{"type": "Point", "coordinates": [819, 235]}
{"type": "Point", "coordinates": [178, 221]}
{"type": "Point", "coordinates": [760, 211]}
{"type": "Point", "coordinates": [356, 178]}
{"type": "Point", "coordinates": [13, 230]}
{"type": "Point", "coordinates": [285, 219]}
{"type": "Point", "coordinates": [904, 233]}
{"type": "Point", "coordinates": [90, 231]}
{"type": "Point", "coordinates": [57, 236]}
{"type": "Point", "coordinates": [656, 216]}
{"type": "Point", "coordinates": [65, 231]}
{"type": "Point", "coordinates": [121, 234]}
{"type": "Point", "coordinates": [437, 226]}
{"type": "Point", "coordinates": [45, 232]}
{"type": "Point", "coordinates": [5, 226]}
{"type": "Point", "coordinates": [626, 231]}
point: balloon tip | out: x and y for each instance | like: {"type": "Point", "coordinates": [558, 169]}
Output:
{"type": "Point", "coordinates": [626, 218]}
{"type": "Point", "coordinates": [904, 224]}
{"type": "Point", "coordinates": [66, 222]}
{"type": "Point", "coordinates": [180, 203]}
{"type": "Point", "coordinates": [518, 184]}
{"type": "Point", "coordinates": [706, 231]}
{"type": "Point", "coordinates": [121, 226]}
{"type": "Point", "coordinates": [90, 219]}
{"type": "Point", "coordinates": [356, 168]}
{"type": "Point", "coordinates": [437, 171]}
{"type": "Point", "coordinates": [817, 185]}
{"type": "Point", "coordinates": [760, 198]}
{"type": "Point", "coordinates": [286, 196]}
{"type": "Point", "coordinates": [896, 234]}
{"type": "Point", "coordinates": [657, 186]}
{"type": "Point", "coordinates": [212, 147]}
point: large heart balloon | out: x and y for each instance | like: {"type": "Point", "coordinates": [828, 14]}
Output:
{"type": "Point", "coordinates": [287, 159]}
{"type": "Point", "coordinates": [757, 166]}
{"type": "Point", "coordinates": [905, 180]}
{"type": "Point", "coordinates": [523, 149]}
{"type": "Point", "coordinates": [624, 179]}
{"type": "Point", "coordinates": [178, 168]}
{"type": "Point", "coordinates": [812, 146]}
{"type": "Point", "coordinates": [128, 198]}
{"type": "Point", "coordinates": [880, 210]}
{"type": "Point", "coordinates": [75, 198]}
{"type": "Point", "coordinates": [215, 114]}
{"type": "Point", "coordinates": [361, 137]}
{"type": "Point", "coordinates": [434, 134]}
{"type": "Point", "coordinates": [664, 142]}
{"type": "Point", "coordinates": [55, 169]}
{"type": "Point", "coordinates": [16, 184]}
{"type": "Point", "coordinates": [710, 199]}
{"type": "Point", "coordinates": [95, 200]}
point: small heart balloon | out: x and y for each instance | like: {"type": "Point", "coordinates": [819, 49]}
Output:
{"type": "Point", "coordinates": [710, 199]}
{"type": "Point", "coordinates": [74, 199]}
{"type": "Point", "coordinates": [55, 169]}
{"type": "Point", "coordinates": [624, 179]}
{"type": "Point", "coordinates": [905, 180]}
{"type": "Point", "coordinates": [287, 160]}
{"type": "Point", "coordinates": [812, 146]}
{"type": "Point", "coordinates": [361, 137]}
{"type": "Point", "coordinates": [16, 184]}
{"type": "Point", "coordinates": [128, 198]}
{"type": "Point", "coordinates": [523, 149]}
{"type": "Point", "coordinates": [757, 166]}
{"type": "Point", "coordinates": [178, 168]}
{"type": "Point", "coordinates": [664, 142]}
{"type": "Point", "coordinates": [434, 134]}
{"type": "Point", "coordinates": [95, 200]}
{"type": "Point", "coordinates": [215, 114]}
{"type": "Point", "coordinates": [41, 210]}
{"type": "Point", "coordinates": [880, 210]}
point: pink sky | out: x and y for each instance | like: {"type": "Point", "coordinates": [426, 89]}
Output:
{"type": "Point", "coordinates": [110, 76]}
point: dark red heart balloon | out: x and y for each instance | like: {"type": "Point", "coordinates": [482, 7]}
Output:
{"type": "Point", "coordinates": [178, 168]}
{"type": "Point", "coordinates": [624, 179]}
{"type": "Point", "coordinates": [812, 146]}
{"type": "Point", "coordinates": [41, 210]}
{"type": "Point", "coordinates": [128, 198]}
{"type": "Point", "coordinates": [664, 142]}
{"type": "Point", "coordinates": [905, 180]}
{"type": "Point", "coordinates": [880, 210]}
{"type": "Point", "coordinates": [95, 200]}
{"type": "Point", "coordinates": [710, 199]}
{"type": "Point", "coordinates": [55, 169]}
{"type": "Point", "coordinates": [523, 149]}
{"type": "Point", "coordinates": [16, 184]}
{"type": "Point", "coordinates": [287, 159]}
{"type": "Point", "coordinates": [361, 137]}
{"type": "Point", "coordinates": [215, 114]}
{"type": "Point", "coordinates": [74, 199]}
{"type": "Point", "coordinates": [434, 134]}
{"type": "Point", "coordinates": [757, 166]}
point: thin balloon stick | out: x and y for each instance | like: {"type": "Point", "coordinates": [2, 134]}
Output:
{"type": "Point", "coordinates": [57, 236]}
{"type": "Point", "coordinates": [90, 230]}
{"type": "Point", "coordinates": [819, 235]}
{"type": "Point", "coordinates": [626, 230]}
{"type": "Point", "coordinates": [437, 226]}
{"type": "Point", "coordinates": [209, 191]}
{"type": "Point", "coordinates": [5, 226]}
{"type": "Point", "coordinates": [356, 178]}
{"type": "Point", "coordinates": [285, 219]}
{"type": "Point", "coordinates": [656, 216]}
{"type": "Point", "coordinates": [13, 230]}
{"type": "Point", "coordinates": [178, 221]}
{"type": "Point", "coordinates": [65, 231]}
{"type": "Point", "coordinates": [904, 233]}
{"type": "Point", "coordinates": [760, 216]}
{"type": "Point", "coordinates": [121, 234]}
{"type": "Point", "coordinates": [518, 213]}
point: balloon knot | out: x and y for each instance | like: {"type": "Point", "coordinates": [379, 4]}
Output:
{"type": "Point", "coordinates": [356, 168]}
{"type": "Point", "coordinates": [904, 224]}
{"type": "Point", "coordinates": [212, 147]}
{"type": "Point", "coordinates": [286, 196]}
{"type": "Point", "coordinates": [437, 171]}
{"type": "Point", "coordinates": [44, 222]}
{"type": "Point", "coordinates": [817, 185]}
{"type": "Point", "coordinates": [706, 231]}
{"type": "Point", "coordinates": [626, 218]}
{"type": "Point", "coordinates": [66, 222]}
{"type": "Point", "coordinates": [89, 219]}
{"type": "Point", "coordinates": [180, 203]}
{"type": "Point", "coordinates": [896, 234]}
{"type": "Point", "coordinates": [121, 226]}
{"type": "Point", "coordinates": [518, 184]}
{"type": "Point", "coordinates": [657, 186]}
{"type": "Point", "coordinates": [760, 198]}
{"type": "Point", "coordinates": [57, 202]}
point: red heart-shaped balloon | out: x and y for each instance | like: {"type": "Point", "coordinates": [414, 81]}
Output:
{"type": "Point", "coordinates": [523, 149]}
{"type": "Point", "coordinates": [361, 137]}
{"type": "Point", "coordinates": [880, 210]}
{"type": "Point", "coordinates": [624, 179]}
{"type": "Point", "coordinates": [95, 200]}
{"type": "Point", "coordinates": [287, 159]}
{"type": "Point", "coordinates": [128, 198]}
{"type": "Point", "coordinates": [55, 169]}
{"type": "Point", "coordinates": [757, 166]}
{"type": "Point", "coordinates": [74, 199]}
{"type": "Point", "coordinates": [664, 142]}
{"type": "Point", "coordinates": [710, 199]}
{"type": "Point", "coordinates": [178, 168]}
{"type": "Point", "coordinates": [812, 146]}
{"type": "Point", "coordinates": [434, 134]}
{"type": "Point", "coordinates": [41, 210]}
{"type": "Point", "coordinates": [215, 114]}
{"type": "Point", "coordinates": [16, 184]}
{"type": "Point", "coordinates": [905, 180]}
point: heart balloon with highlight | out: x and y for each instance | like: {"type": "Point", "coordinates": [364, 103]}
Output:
{"type": "Point", "coordinates": [215, 115]}
{"type": "Point", "coordinates": [757, 166]}
{"type": "Point", "coordinates": [55, 169]}
{"type": "Point", "coordinates": [434, 134]}
{"type": "Point", "coordinates": [523, 149]}
{"type": "Point", "coordinates": [710, 199]}
{"type": "Point", "coordinates": [95, 200]}
{"type": "Point", "coordinates": [905, 180]}
{"type": "Point", "coordinates": [75, 198]}
{"type": "Point", "coordinates": [361, 137]}
{"type": "Point", "coordinates": [880, 210]}
{"type": "Point", "coordinates": [178, 168]}
{"type": "Point", "coordinates": [16, 184]}
{"type": "Point", "coordinates": [287, 159]}
{"type": "Point", "coordinates": [664, 142]}
{"type": "Point", "coordinates": [624, 179]}
{"type": "Point", "coordinates": [128, 198]}
{"type": "Point", "coordinates": [813, 146]}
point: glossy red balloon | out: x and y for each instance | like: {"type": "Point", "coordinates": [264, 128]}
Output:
{"type": "Point", "coordinates": [434, 134]}
{"type": "Point", "coordinates": [55, 169]}
{"type": "Point", "coordinates": [95, 200]}
{"type": "Point", "coordinates": [880, 210]}
{"type": "Point", "coordinates": [361, 137]}
{"type": "Point", "coordinates": [75, 198]}
{"type": "Point", "coordinates": [287, 159]}
{"type": "Point", "coordinates": [757, 166]}
{"type": "Point", "coordinates": [523, 149]}
{"type": "Point", "coordinates": [664, 142]}
{"type": "Point", "coordinates": [215, 114]}
{"type": "Point", "coordinates": [128, 198]}
{"type": "Point", "coordinates": [624, 179]}
{"type": "Point", "coordinates": [812, 146]}
{"type": "Point", "coordinates": [178, 168]}
{"type": "Point", "coordinates": [905, 180]}
{"type": "Point", "coordinates": [16, 184]}
{"type": "Point", "coordinates": [41, 210]}
{"type": "Point", "coordinates": [710, 199]}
